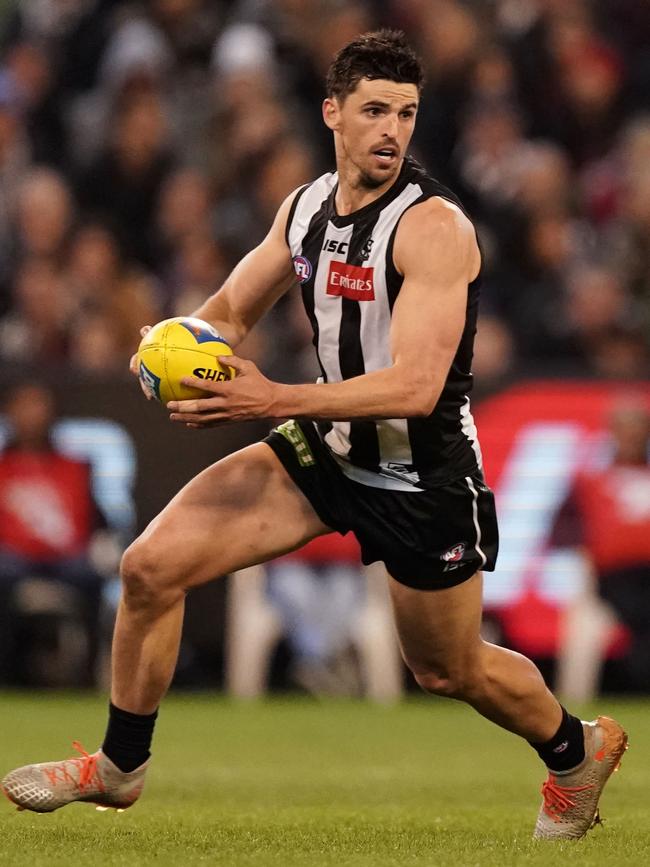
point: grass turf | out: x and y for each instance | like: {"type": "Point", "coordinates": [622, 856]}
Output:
{"type": "Point", "coordinates": [297, 782]}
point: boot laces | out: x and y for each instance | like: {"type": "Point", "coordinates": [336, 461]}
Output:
{"type": "Point", "coordinates": [86, 767]}
{"type": "Point", "coordinates": [558, 799]}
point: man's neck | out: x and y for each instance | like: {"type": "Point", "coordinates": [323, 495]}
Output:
{"type": "Point", "coordinates": [352, 194]}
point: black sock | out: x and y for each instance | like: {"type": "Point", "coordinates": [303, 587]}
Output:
{"type": "Point", "coordinates": [566, 748]}
{"type": "Point", "coordinates": [128, 737]}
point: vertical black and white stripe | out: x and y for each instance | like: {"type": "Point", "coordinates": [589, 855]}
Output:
{"type": "Point", "coordinates": [353, 337]}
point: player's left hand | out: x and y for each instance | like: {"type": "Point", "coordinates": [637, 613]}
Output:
{"type": "Point", "coordinates": [249, 395]}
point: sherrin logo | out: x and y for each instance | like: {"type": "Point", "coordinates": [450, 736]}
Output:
{"type": "Point", "coordinates": [351, 281]}
{"type": "Point", "coordinates": [150, 381]}
{"type": "Point", "coordinates": [210, 374]}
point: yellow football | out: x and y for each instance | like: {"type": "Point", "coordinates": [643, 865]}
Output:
{"type": "Point", "coordinates": [179, 347]}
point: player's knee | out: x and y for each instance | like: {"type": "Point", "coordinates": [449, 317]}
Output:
{"type": "Point", "coordinates": [450, 685]}
{"type": "Point", "coordinates": [144, 580]}
{"type": "Point", "coordinates": [459, 681]}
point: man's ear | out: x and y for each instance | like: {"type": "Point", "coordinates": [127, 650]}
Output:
{"type": "Point", "coordinates": [331, 113]}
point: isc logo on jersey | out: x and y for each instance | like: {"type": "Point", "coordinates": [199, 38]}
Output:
{"type": "Point", "coordinates": [351, 281]}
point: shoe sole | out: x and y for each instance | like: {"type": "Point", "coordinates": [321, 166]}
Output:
{"type": "Point", "coordinates": [119, 808]}
{"type": "Point", "coordinates": [17, 805]}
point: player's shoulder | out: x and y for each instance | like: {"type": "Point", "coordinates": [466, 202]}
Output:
{"type": "Point", "coordinates": [438, 216]}
{"type": "Point", "coordinates": [297, 209]}
{"type": "Point", "coordinates": [438, 206]}
{"type": "Point", "coordinates": [289, 207]}
{"type": "Point", "coordinates": [317, 190]}
{"type": "Point", "coordinates": [436, 228]}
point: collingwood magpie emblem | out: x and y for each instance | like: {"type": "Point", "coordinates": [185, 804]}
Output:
{"type": "Point", "coordinates": [366, 249]}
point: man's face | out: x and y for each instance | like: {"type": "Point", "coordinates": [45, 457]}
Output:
{"type": "Point", "coordinates": [374, 125]}
{"type": "Point", "coordinates": [30, 412]}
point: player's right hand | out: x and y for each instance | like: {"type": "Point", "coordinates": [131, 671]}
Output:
{"type": "Point", "coordinates": [133, 364]}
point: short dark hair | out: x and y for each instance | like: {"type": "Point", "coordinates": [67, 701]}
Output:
{"type": "Point", "coordinates": [381, 54]}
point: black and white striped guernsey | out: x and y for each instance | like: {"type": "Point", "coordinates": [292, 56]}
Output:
{"type": "Point", "coordinates": [349, 287]}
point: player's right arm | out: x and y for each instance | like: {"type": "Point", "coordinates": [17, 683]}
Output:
{"type": "Point", "coordinates": [253, 287]}
{"type": "Point", "coordinates": [255, 284]}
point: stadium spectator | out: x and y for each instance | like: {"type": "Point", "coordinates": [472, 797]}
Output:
{"type": "Point", "coordinates": [536, 110]}
{"type": "Point", "coordinates": [607, 515]}
{"type": "Point", "coordinates": [34, 75]}
{"type": "Point", "coordinates": [15, 158]}
{"type": "Point", "coordinates": [122, 186]}
{"type": "Point", "coordinates": [44, 215]}
{"type": "Point", "coordinates": [95, 347]}
{"type": "Point", "coordinates": [199, 264]}
{"type": "Point", "coordinates": [189, 259]}
{"type": "Point", "coordinates": [623, 353]}
{"type": "Point", "coordinates": [449, 38]}
{"type": "Point", "coordinates": [47, 519]}
{"type": "Point", "coordinates": [36, 329]}
{"type": "Point", "coordinates": [98, 279]}
{"type": "Point", "coordinates": [183, 207]}
{"type": "Point", "coordinates": [493, 356]}
{"type": "Point", "coordinates": [597, 303]}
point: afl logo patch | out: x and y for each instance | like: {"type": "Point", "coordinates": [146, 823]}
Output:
{"type": "Point", "coordinates": [454, 554]}
{"type": "Point", "coordinates": [302, 267]}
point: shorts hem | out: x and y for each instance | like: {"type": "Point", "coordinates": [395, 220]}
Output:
{"type": "Point", "coordinates": [423, 576]}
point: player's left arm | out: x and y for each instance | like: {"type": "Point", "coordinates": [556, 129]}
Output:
{"type": "Point", "coordinates": [437, 253]}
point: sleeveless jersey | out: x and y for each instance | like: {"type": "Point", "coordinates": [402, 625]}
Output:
{"type": "Point", "coordinates": [349, 288]}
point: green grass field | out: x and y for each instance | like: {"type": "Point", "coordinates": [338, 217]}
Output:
{"type": "Point", "coordinates": [298, 782]}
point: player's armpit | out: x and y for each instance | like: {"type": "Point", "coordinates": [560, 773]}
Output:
{"type": "Point", "coordinates": [437, 253]}
{"type": "Point", "coordinates": [255, 284]}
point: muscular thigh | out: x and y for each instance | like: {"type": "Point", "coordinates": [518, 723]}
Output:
{"type": "Point", "coordinates": [438, 629]}
{"type": "Point", "coordinates": [240, 511]}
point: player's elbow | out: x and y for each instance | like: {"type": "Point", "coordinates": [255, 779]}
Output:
{"type": "Point", "coordinates": [420, 399]}
{"type": "Point", "coordinates": [417, 388]}
{"type": "Point", "coordinates": [426, 406]}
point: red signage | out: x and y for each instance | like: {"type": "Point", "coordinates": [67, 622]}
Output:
{"type": "Point", "coordinates": [537, 438]}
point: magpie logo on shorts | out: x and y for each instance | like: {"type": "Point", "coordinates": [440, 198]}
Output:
{"type": "Point", "coordinates": [454, 554]}
{"type": "Point", "coordinates": [302, 267]}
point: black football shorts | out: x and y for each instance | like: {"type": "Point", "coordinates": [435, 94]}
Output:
{"type": "Point", "coordinates": [428, 540]}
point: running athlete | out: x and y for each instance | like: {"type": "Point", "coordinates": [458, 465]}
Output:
{"type": "Point", "coordinates": [384, 446]}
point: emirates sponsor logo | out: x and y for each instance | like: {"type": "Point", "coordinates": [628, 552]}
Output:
{"type": "Point", "coordinates": [350, 281]}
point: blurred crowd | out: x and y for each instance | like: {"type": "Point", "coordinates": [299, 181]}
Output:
{"type": "Point", "coordinates": [145, 146]}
